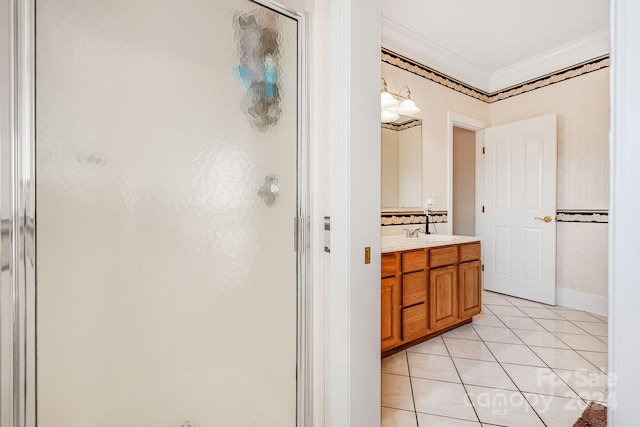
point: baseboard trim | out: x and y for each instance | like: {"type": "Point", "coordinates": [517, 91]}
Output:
{"type": "Point", "coordinates": [596, 304]}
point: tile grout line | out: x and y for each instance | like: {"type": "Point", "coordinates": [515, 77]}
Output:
{"type": "Point", "coordinates": [509, 376]}
{"type": "Point", "coordinates": [549, 367]}
{"type": "Point", "coordinates": [548, 330]}
{"type": "Point", "coordinates": [528, 346]}
{"type": "Point", "coordinates": [570, 347]}
{"type": "Point", "coordinates": [532, 366]}
{"type": "Point", "coordinates": [444, 381]}
{"type": "Point", "coordinates": [413, 396]}
{"type": "Point", "coordinates": [545, 363]}
{"type": "Point", "coordinates": [461, 381]}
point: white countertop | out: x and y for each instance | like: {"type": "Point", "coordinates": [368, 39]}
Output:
{"type": "Point", "coordinates": [395, 243]}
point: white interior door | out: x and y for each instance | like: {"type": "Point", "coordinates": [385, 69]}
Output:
{"type": "Point", "coordinates": [166, 270]}
{"type": "Point", "coordinates": [520, 208]}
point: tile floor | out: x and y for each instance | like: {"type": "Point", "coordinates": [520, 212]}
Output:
{"type": "Point", "coordinates": [519, 364]}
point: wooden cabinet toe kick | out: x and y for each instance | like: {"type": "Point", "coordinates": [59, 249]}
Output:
{"type": "Point", "coordinates": [417, 341]}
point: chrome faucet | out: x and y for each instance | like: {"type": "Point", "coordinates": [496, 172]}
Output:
{"type": "Point", "coordinates": [413, 233]}
{"type": "Point", "coordinates": [427, 209]}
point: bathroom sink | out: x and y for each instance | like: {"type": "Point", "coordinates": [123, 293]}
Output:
{"type": "Point", "coordinates": [434, 238]}
{"type": "Point", "coordinates": [395, 240]}
{"type": "Point", "coordinates": [388, 242]}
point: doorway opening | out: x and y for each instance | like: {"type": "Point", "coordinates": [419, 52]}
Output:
{"type": "Point", "coordinates": [464, 182]}
{"type": "Point", "coordinates": [464, 201]}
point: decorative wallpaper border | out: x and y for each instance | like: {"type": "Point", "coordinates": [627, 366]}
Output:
{"type": "Point", "coordinates": [402, 126]}
{"type": "Point", "coordinates": [584, 216]}
{"type": "Point", "coordinates": [428, 73]}
{"type": "Point", "coordinates": [404, 63]}
{"type": "Point", "coordinates": [600, 216]}
{"type": "Point", "coordinates": [412, 218]}
{"type": "Point", "coordinates": [417, 218]}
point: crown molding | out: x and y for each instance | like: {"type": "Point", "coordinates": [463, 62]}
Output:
{"type": "Point", "coordinates": [591, 46]}
{"type": "Point", "coordinates": [407, 43]}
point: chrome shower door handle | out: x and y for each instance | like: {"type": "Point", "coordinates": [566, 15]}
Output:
{"type": "Point", "coordinates": [270, 190]}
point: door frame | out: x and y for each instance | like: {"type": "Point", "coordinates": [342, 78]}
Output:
{"type": "Point", "coordinates": [624, 230]}
{"type": "Point", "coordinates": [476, 125]}
{"type": "Point", "coordinates": [18, 406]}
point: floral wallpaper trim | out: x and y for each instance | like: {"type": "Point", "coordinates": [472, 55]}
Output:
{"type": "Point", "coordinates": [422, 70]}
{"type": "Point", "coordinates": [402, 126]}
{"type": "Point", "coordinates": [437, 217]}
{"type": "Point", "coordinates": [412, 218]}
{"type": "Point", "coordinates": [585, 216]}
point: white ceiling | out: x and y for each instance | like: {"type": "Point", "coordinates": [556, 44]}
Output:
{"type": "Point", "coordinates": [494, 44]}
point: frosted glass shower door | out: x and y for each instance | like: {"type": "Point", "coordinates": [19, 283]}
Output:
{"type": "Point", "coordinates": [167, 186]}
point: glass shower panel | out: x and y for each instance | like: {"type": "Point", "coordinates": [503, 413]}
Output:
{"type": "Point", "coordinates": [166, 142]}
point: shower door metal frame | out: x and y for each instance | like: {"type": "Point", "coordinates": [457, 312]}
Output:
{"type": "Point", "coordinates": [17, 198]}
{"type": "Point", "coordinates": [17, 209]}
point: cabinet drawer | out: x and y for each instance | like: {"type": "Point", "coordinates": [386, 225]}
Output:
{"type": "Point", "coordinates": [470, 252]}
{"type": "Point", "coordinates": [414, 260]}
{"type": "Point", "coordinates": [389, 265]}
{"type": "Point", "coordinates": [414, 288]}
{"type": "Point", "coordinates": [414, 322]}
{"type": "Point", "coordinates": [443, 256]}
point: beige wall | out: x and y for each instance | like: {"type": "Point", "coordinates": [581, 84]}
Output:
{"type": "Point", "coordinates": [582, 107]}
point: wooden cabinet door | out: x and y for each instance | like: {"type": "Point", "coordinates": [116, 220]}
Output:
{"type": "Point", "coordinates": [470, 286]}
{"type": "Point", "coordinates": [390, 307]}
{"type": "Point", "coordinates": [443, 297]}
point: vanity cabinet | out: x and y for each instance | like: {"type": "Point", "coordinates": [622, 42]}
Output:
{"type": "Point", "coordinates": [428, 291]}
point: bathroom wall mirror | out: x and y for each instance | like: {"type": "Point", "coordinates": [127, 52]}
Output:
{"type": "Point", "coordinates": [401, 163]}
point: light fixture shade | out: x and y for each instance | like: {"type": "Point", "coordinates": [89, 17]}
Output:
{"type": "Point", "coordinates": [387, 100]}
{"type": "Point", "coordinates": [388, 116]}
{"type": "Point", "coordinates": [408, 107]}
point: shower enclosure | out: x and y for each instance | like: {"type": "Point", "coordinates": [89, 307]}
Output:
{"type": "Point", "coordinates": [157, 173]}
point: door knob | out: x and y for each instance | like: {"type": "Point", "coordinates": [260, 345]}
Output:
{"type": "Point", "coordinates": [545, 219]}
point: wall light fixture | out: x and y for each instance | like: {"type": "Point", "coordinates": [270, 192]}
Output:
{"type": "Point", "coordinates": [392, 105]}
